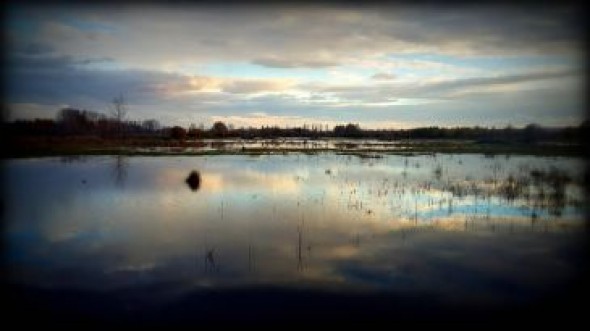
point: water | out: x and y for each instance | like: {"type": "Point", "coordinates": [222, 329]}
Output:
{"type": "Point", "coordinates": [466, 230]}
{"type": "Point", "coordinates": [288, 144]}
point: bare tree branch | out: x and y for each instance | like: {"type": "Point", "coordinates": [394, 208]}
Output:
{"type": "Point", "coordinates": [119, 108]}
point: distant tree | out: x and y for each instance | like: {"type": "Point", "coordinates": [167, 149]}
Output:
{"type": "Point", "coordinates": [353, 130]}
{"type": "Point", "coordinates": [582, 131]}
{"type": "Point", "coordinates": [178, 133]}
{"type": "Point", "coordinates": [31, 127]}
{"type": "Point", "coordinates": [194, 132]}
{"type": "Point", "coordinates": [350, 130]}
{"type": "Point", "coordinates": [151, 125]}
{"type": "Point", "coordinates": [219, 129]}
{"type": "Point", "coordinates": [532, 133]}
{"type": "Point", "coordinates": [119, 110]}
{"type": "Point", "coordinates": [507, 133]}
{"type": "Point", "coordinates": [339, 130]}
{"type": "Point", "coordinates": [78, 121]}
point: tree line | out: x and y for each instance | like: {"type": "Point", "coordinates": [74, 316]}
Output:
{"type": "Point", "coordinates": [71, 121]}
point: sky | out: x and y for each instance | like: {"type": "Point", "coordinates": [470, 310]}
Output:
{"type": "Point", "coordinates": [381, 66]}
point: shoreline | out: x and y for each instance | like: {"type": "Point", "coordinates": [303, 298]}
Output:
{"type": "Point", "coordinates": [574, 151]}
{"type": "Point", "coordinates": [26, 147]}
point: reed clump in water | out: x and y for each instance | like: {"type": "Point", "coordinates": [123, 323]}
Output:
{"type": "Point", "coordinates": [194, 180]}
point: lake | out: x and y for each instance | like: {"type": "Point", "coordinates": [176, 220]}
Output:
{"type": "Point", "coordinates": [439, 236]}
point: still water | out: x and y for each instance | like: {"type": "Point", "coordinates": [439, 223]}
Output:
{"type": "Point", "coordinates": [467, 229]}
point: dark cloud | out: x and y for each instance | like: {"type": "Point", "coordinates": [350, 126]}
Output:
{"type": "Point", "coordinates": [104, 59]}
{"type": "Point", "coordinates": [488, 28]}
{"type": "Point", "coordinates": [35, 48]}
{"type": "Point", "coordinates": [315, 37]}
{"type": "Point", "coordinates": [64, 79]}
{"type": "Point", "coordinates": [22, 63]}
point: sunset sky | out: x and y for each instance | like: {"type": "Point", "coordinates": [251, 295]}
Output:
{"type": "Point", "coordinates": [382, 66]}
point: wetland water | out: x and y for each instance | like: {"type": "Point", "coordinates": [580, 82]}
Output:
{"type": "Point", "coordinates": [463, 230]}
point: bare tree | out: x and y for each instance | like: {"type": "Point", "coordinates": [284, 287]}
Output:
{"type": "Point", "coordinates": [151, 125]}
{"type": "Point", "coordinates": [119, 110]}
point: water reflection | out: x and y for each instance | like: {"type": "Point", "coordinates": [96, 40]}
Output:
{"type": "Point", "coordinates": [120, 167]}
{"type": "Point", "coordinates": [452, 225]}
{"type": "Point", "coordinates": [73, 158]}
{"type": "Point", "coordinates": [210, 261]}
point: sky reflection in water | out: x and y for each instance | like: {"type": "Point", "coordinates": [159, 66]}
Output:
{"type": "Point", "coordinates": [443, 224]}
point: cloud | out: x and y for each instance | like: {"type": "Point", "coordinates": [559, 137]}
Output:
{"type": "Point", "coordinates": [33, 81]}
{"type": "Point", "coordinates": [411, 65]}
{"type": "Point", "coordinates": [445, 87]}
{"type": "Point", "coordinates": [383, 76]}
{"type": "Point", "coordinates": [295, 63]}
{"type": "Point", "coordinates": [32, 110]}
{"type": "Point", "coordinates": [104, 59]}
{"type": "Point", "coordinates": [318, 36]}
{"type": "Point", "coordinates": [177, 86]}
{"type": "Point", "coordinates": [53, 79]}
{"type": "Point", "coordinates": [246, 86]}
{"type": "Point", "coordinates": [180, 85]}
{"type": "Point", "coordinates": [158, 56]}
{"type": "Point", "coordinates": [437, 89]}
{"type": "Point", "coordinates": [190, 84]}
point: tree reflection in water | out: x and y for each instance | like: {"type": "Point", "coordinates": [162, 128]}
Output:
{"type": "Point", "coordinates": [120, 170]}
